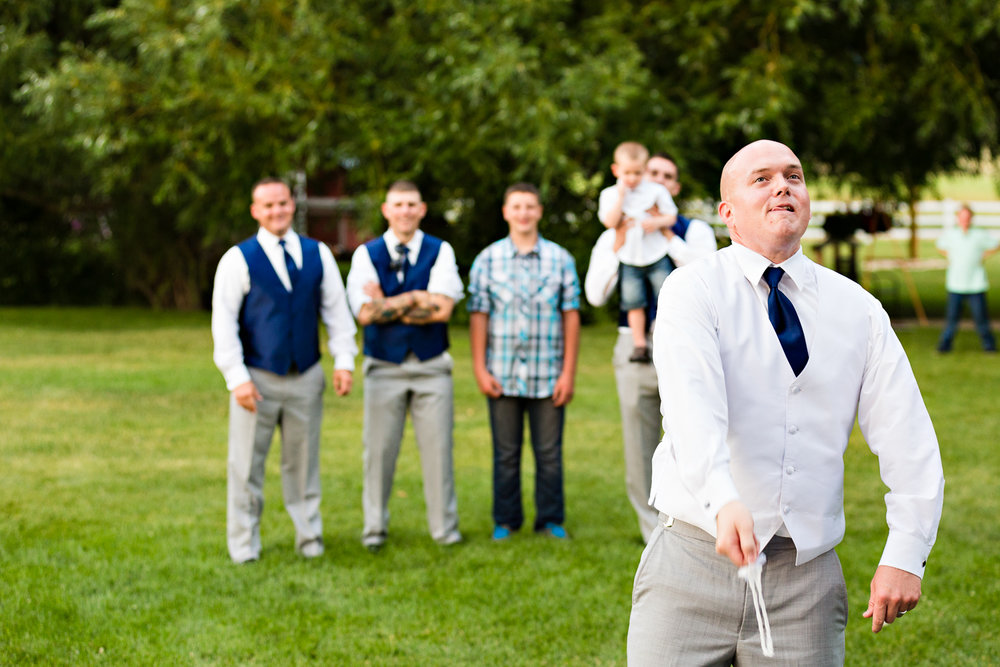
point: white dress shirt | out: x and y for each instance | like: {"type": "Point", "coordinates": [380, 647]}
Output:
{"type": "Point", "coordinates": [640, 248]}
{"type": "Point", "coordinates": [232, 284]}
{"type": "Point", "coordinates": [697, 242]}
{"type": "Point", "coordinates": [739, 425]}
{"type": "Point", "coordinates": [602, 272]}
{"type": "Point", "coordinates": [444, 278]}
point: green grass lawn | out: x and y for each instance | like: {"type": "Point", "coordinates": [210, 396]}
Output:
{"type": "Point", "coordinates": [112, 498]}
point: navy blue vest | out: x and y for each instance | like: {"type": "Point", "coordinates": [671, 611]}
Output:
{"type": "Point", "coordinates": [681, 229]}
{"type": "Point", "coordinates": [280, 329]}
{"type": "Point", "coordinates": [393, 341]}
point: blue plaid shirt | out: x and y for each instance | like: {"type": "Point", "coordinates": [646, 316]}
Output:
{"type": "Point", "coordinates": [525, 297]}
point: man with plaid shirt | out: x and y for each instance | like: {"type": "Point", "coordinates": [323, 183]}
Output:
{"type": "Point", "coordinates": [524, 299]}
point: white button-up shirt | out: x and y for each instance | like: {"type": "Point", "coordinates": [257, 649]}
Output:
{"type": "Point", "coordinates": [444, 278]}
{"type": "Point", "coordinates": [739, 425]}
{"type": "Point", "coordinates": [232, 284]}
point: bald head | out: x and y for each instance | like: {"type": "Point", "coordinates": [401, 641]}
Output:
{"type": "Point", "coordinates": [737, 164]}
{"type": "Point", "coordinates": [765, 203]}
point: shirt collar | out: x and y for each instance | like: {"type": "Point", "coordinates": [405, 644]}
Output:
{"type": "Point", "coordinates": [391, 240]}
{"type": "Point", "coordinates": [512, 251]}
{"type": "Point", "coordinates": [267, 239]}
{"type": "Point", "coordinates": [796, 267]}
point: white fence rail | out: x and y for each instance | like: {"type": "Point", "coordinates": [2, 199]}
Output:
{"type": "Point", "coordinates": [933, 217]}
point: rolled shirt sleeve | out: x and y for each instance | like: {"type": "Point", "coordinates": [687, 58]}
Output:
{"type": "Point", "coordinates": [444, 278]}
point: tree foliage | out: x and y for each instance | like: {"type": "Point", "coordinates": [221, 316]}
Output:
{"type": "Point", "coordinates": [52, 240]}
{"type": "Point", "coordinates": [149, 120]}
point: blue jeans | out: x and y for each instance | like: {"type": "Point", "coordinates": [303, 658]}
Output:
{"type": "Point", "coordinates": [633, 281]}
{"type": "Point", "coordinates": [980, 315]}
{"type": "Point", "coordinates": [545, 421]}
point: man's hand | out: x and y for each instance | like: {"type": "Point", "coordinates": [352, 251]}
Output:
{"type": "Point", "coordinates": [422, 310]}
{"type": "Point", "coordinates": [734, 530]}
{"type": "Point", "coordinates": [246, 396]}
{"type": "Point", "coordinates": [668, 231]}
{"type": "Point", "coordinates": [343, 380]}
{"type": "Point", "coordinates": [893, 593]}
{"type": "Point", "coordinates": [487, 383]}
{"type": "Point", "coordinates": [562, 393]}
{"type": "Point", "coordinates": [658, 223]}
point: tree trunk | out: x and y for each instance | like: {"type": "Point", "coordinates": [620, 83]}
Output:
{"type": "Point", "coordinates": [914, 195]}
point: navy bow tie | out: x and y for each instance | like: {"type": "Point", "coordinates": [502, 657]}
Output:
{"type": "Point", "coordinates": [785, 321]}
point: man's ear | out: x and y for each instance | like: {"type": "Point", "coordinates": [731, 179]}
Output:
{"type": "Point", "coordinates": [725, 212]}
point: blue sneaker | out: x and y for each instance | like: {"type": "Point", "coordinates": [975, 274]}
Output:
{"type": "Point", "coordinates": [555, 530]}
{"type": "Point", "coordinates": [501, 532]}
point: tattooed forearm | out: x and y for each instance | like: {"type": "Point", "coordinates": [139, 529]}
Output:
{"type": "Point", "coordinates": [387, 310]}
{"type": "Point", "coordinates": [420, 314]}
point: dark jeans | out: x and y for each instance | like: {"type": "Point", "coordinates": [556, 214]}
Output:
{"type": "Point", "coordinates": [980, 315]}
{"type": "Point", "coordinates": [545, 422]}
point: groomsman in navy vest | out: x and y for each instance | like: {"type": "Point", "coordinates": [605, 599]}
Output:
{"type": "Point", "coordinates": [402, 287]}
{"type": "Point", "coordinates": [270, 293]}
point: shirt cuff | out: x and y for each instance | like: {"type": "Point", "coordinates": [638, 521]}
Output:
{"type": "Point", "coordinates": [905, 552]}
{"type": "Point", "coordinates": [236, 376]}
{"type": "Point", "coordinates": [719, 490]}
{"type": "Point", "coordinates": [344, 362]}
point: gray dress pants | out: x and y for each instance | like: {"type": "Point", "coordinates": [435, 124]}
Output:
{"type": "Point", "coordinates": [639, 401]}
{"type": "Point", "coordinates": [689, 607]}
{"type": "Point", "coordinates": [424, 388]}
{"type": "Point", "coordinates": [295, 403]}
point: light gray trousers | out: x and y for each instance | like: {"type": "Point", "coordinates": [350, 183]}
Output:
{"type": "Point", "coordinates": [690, 608]}
{"type": "Point", "coordinates": [425, 390]}
{"type": "Point", "coordinates": [639, 402]}
{"type": "Point", "coordinates": [295, 403]}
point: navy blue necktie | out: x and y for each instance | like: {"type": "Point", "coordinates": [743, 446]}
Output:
{"type": "Point", "coordinates": [403, 263]}
{"type": "Point", "coordinates": [293, 271]}
{"type": "Point", "coordinates": [785, 321]}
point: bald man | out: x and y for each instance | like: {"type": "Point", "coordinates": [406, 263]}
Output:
{"type": "Point", "coordinates": [762, 366]}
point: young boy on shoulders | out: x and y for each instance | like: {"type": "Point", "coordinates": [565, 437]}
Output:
{"type": "Point", "coordinates": [643, 257]}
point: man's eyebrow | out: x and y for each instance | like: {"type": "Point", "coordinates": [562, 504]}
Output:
{"type": "Point", "coordinates": [792, 166]}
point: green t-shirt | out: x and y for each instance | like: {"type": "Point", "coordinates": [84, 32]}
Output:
{"type": "Point", "coordinates": [966, 274]}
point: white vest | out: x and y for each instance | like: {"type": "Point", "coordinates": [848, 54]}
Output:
{"type": "Point", "coordinates": [787, 444]}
